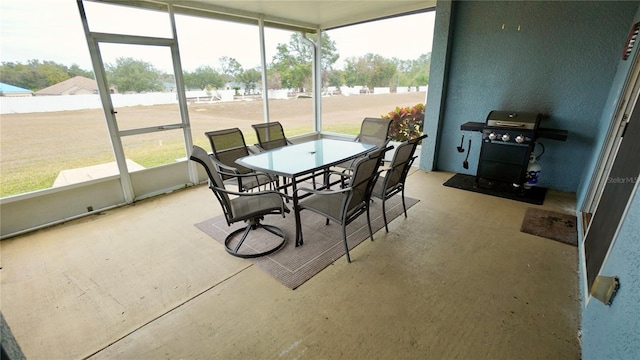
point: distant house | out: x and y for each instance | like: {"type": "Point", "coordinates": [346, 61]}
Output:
{"type": "Point", "coordinates": [77, 85]}
{"type": "Point", "coordinates": [11, 90]}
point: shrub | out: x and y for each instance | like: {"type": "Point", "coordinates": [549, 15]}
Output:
{"type": "Point", "coordinates": [406, 122]}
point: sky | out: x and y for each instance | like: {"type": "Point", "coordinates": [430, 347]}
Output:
{"type": "Point", "coordinates": [54, 33]}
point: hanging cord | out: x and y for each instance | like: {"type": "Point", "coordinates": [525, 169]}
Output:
{"type": "Point", "coordinates": [539, 156]}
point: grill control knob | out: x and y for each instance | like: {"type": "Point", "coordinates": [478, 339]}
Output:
{"type": "Point", "coordinates": [493, 136]}
{"type": "Point", "coordinates": [506, 137]}
{"type": "Point", "coordinates": [520, 139]}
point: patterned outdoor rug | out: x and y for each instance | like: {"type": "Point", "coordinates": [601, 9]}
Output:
{"type": "Point", "coordinates": [322, 246]}
{"type": "Point", "coordinates": [551, 225]}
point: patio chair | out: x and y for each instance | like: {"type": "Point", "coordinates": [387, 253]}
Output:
{"type": "Point", "coordinates": [244, 206]}
{"type": "Point", "coordinates": [373, 131]}
{"type": "Point", "coordinates": [228, 145]}
{"type": "Point", "coordinates": [347, 204]}
{"type": "Point", "coordinates": [270, 135]}
{"type": "Point", "coordinates": [392, 178]}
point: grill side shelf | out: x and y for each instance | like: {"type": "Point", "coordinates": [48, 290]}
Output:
{"type": "Point", "coordinates": [472, 126]}
{"type": "Point", "coordinates": [553, 134]}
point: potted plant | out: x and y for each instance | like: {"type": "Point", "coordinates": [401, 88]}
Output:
{"type": "Point", "coordinates": [406, 124]}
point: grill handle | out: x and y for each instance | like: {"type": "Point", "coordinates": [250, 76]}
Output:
{"type": "Point", "coordinates": [509, 124]}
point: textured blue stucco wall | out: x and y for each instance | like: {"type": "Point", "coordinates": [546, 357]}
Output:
{"type": "Point", "coordinates": [613, 332]}
{"type": "Point", "coordinates": [564, 61]}
{"type": "Point", "coordinates": [559, 63]}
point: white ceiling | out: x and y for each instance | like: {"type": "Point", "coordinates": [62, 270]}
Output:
{"type": "Point", "coordinates": [311, 13]}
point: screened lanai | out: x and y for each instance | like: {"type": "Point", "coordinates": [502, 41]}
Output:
{"type": "Point", "coordinates": [574, 61]}
{"type": "Point", "coordinates": [117, 150]}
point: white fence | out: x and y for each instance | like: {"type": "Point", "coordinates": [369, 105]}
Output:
{"type": "Point", "coordinates": [32, 104]}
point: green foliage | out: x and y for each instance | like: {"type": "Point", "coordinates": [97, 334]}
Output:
{"type": "Point", "coordinates": [293, 61]}
{"type": "Point", "coordinates": [371, 70]}
{"type": "Point", "coordinates": [333, 78]}
{"type": "Point", "coordinates": [231, 68]}
{"type": "Point", "coordinates": [36, 75]}
{"type": "Point", "coordinates": [130, 75]}
{"type": "Point", "coordinates": [250, 78]}
{"type": "Point", "coordinates": [204, 77]}
{"type": "Point", "coordinates": [406, 122]}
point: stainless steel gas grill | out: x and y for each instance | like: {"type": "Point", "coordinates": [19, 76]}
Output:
{"type": "Point", "coordinates": [508, 140]}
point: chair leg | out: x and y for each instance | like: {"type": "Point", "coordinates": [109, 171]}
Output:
{"type": "Point", "coordinates": [369, 224]}
{"type": "Point", "coordinates": [384, 213]}
{"type": "Point", "coordinates": [404, 206]}
{"type": "Point", "coordinates": [251, 226]}
{"type": "Point", "coordinates": [346, 246]}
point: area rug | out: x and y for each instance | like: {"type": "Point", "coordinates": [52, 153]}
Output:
{"type": "Point", "coordinates": [323, 244]}
{"type": "Point", "coordinates": [551, 225]}
{"type": "Point", "coordinates": [535, 195]}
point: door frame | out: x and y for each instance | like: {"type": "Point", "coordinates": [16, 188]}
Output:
{"type": "Point", "coordinates": [601, 176]}
{"type": "Point", "coordinates": [626, 103]}
{"type": "Point", "coordinates": [93, 41]}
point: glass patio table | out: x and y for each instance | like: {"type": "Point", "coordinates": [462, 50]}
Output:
{"type": "Point", "coordinates": [299, 162]}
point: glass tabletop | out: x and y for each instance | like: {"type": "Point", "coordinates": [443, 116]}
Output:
{"type": "Point", "coordinates": [303, 158]}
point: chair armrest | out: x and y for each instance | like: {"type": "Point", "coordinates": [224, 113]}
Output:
{"type": "Point", "coordinates": [222, 166]}
{"type": "Point", "coordinates": [256, 193]}
{"type": "Point", "coordinates": [285, 209]}
{"type": "Point", "coordinates": [321, 192]}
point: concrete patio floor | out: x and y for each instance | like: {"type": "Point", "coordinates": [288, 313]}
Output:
{"type": "Point", "coordinates": [456, 279]}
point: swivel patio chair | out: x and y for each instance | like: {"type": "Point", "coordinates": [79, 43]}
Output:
{"type": "Point", "coordinates": [347, 204]}
{"type": "Point", "coordinates": [250, 207]}
{"type": "Point", "coordinates": [228, 145]}
{"type": "Point", "coordinates": [392, 178]}
{"type": "Point", "coordinates": [270, 135]}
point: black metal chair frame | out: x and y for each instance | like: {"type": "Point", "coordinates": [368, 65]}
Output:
{"type": "Point", "coordinates": [381, 126]}
{"type": "Point", "coordinates": [265, 142]}
{"type": "Point", "coordinates": [354, 199]}
{"type": "Point", "coordinates": [392, 178]}
{"type": "Point", "coordinates": [264, 132]}
{"type": "Point", "coordinates": [255, 205]}
{"type": "Point", "coordinates": [247, 179]}
{"type": "Point", "coordinates": [366, 135]}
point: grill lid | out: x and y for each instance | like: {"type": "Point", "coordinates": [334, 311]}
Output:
{"type": "Point", "coordinates": [514, 120]}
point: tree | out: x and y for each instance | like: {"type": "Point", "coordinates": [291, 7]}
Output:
{"type": "Point", "coordinates": [293, 61]}
{"type": "Point", "coordinates": [128, 74]}
{"type": "Point", "coordinates": [334, 78]}
{"type": "Point", "coordinates": [75, 70]}
{"type": "Point", "coordinates": [36, 75]}
{"type": "Point", "coordinates": [370, 70]}
{"type": "Point", "coordinates": [203, 77]}
{"type": "Point", "coordinates": [231, 68]}
{"type": "Point", "coordinates": [52, 72]}
{"type": "Point", "coordinates": [250, 78]}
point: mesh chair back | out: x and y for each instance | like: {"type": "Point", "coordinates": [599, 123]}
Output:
{"type": "Point", "coordinates": [374, 131]}
{"type": "Point", "coordinates": [228, 145]}
{"type": "Point", "coordinates": [364, 176]}
{"type": "Point", "coordinates": [200, 156]}
{"type": "Point", "coordinates": [270, 135]}
{"type": "Point", "coordinates": [401, 162]}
